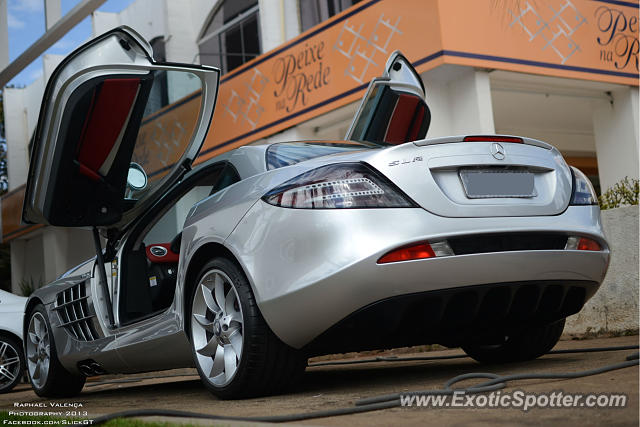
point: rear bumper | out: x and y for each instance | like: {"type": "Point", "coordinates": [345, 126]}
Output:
{"type": "Point", "coordinates": [310, 269]}
{"type": "Point", "coordinates": [453, 317]}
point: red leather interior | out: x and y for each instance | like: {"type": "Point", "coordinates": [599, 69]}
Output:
{"type": "Point", "coordinates": [107, 116]}
{"type": "Point", "coordinates": [406, 120]}
{"type": "Point", "coordinates": [170, 258]}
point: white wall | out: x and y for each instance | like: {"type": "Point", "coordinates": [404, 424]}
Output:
{"type": "Point", "coordinates": [27, 262]}
{"type": "Point", "coordinates": [50, 62]}
{"type": "Point", "coordinates": [329, 126]}
{"type": "Point", "coordinates": [460, 101]}
{"type": "Point", "coordinates": [145, 16]}
{"type": "Point", "coordinates": [182, 32]}
{"type": "Point", "coordinates": [580, 118]}
{"type": "Point", "coordinates": [615, 125]}
{"type": "Point", "coordinates": [561, 119]}
{"type": "Point", "coordinates": [200, 10]}
{"type": "Point", "coordinates": [614, 308]}
{"type": "Point", "coordinates": [47, 253]}
{"type": "Point", "coordinates": [21, 107]}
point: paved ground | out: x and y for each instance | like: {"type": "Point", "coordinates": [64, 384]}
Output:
{"type": "Point", "coordinates": [331, 387]}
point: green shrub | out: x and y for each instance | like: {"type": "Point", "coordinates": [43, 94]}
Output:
{"type": "Point", "coordinates": [623, 193]}
{"type": "Point", "coordinates": [28, 286]}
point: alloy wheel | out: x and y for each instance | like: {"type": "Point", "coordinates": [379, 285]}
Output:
{"type": "Point", "coordinates": [217, 327]}
{"type": "Point", "coordinates": [9, 364]}
{"type": "Point", "coordinates": [38, 350]}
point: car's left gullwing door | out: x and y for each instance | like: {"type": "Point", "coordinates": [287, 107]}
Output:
{"type": "Point", "coordinates": [115, 131]}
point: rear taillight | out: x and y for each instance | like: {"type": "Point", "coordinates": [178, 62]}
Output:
{"type": "Point", "coordinates": [582, 244]}
{"type": "Point", "coordinates": [408, 253]}
{"type": "Point", "coordinates": [492, 138]}
{"type": "Point", "coordinates": [583, 192]}
{"type": "Point", "coordinates": [338, 186]}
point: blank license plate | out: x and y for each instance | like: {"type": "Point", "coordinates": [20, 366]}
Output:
{"type": "Point", "coordinates": [486, 183]}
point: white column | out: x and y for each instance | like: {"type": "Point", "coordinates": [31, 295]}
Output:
{"type": "Point", "coordinates": [49, 63]}
{"type": "Point", "coordinates": [101, 22]}
{"type": "Point", "coordinates": [16, 129]}
{"type": "Point", "coordinates": [64, 248]}
{"type": "Point", "coordinates": [615, 127]}
{"type": "Point", "coordinates": [291, 18]}
{"type": "Point", "coordinates": [460, 101]}
{"type": "Point", "coordinates": [470, 109]}
{"type": "Point", "coordinates": [52, 12]}
{"type": "Point", "coordinates": [27, 261]}
{"type": "Point", "coordinates": [181, 33]}
{"type": "Point", "coordinates": [4, 35]}
{"type": "Point", "coordinates": [272, 29]}
{"type": "Point", "coordinates": [279, 22]}
{"type": "Point", "coordinates": [54, 247]}
{"type": "Point", "coordinates": [17, 250]}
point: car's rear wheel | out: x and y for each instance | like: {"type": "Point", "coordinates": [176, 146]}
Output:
{"type": "Point", "coordinates": [47, 375]}
{"type": "Point", "coordinates": [236, 353]}
{"type": "Point", "coordinates": [11, 362]}
{"type": "Point", "coordinates": [527, 344]}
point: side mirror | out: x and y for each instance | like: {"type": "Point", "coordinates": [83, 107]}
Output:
{"type": "Point", "coordinates": [136, 178]}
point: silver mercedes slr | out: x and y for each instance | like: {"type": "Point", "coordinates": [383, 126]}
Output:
{"type": "Point", "coordinates": [248, 263]}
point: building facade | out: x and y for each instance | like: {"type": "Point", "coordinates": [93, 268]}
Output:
{"type": "Point", "coordinates": [563, 71]}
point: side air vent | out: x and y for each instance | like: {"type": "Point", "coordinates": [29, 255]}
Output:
{"type": "Point", "coordinates": [73, 311]}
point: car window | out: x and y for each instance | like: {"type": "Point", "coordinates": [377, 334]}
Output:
{"type": "Point", "coordinates": [287, 154]}
{"type": "Point", "coordinates": [172, 221]}
{"type": "Point", "coordinates": [168, 125]}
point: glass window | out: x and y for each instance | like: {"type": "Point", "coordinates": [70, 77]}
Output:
{"type": "Point", "coordinates": [172, 221]}
{"type": "Point", "coordinates": [168, 123]}
{"type": "Point", "coordinates": [232, 35]}
{"type": "Point", "coordinates": [313, 12]}
{"type": "Point", "coordinates": [287, 154]}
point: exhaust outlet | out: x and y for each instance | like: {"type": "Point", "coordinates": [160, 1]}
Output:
{"type": "Point", "coordinates": [90, 368]}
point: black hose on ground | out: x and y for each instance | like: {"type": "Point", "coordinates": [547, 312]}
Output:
{"type": "Point", "coordinates": [376, 403]}
{"type": "Point", "coordinates": [460, 356]}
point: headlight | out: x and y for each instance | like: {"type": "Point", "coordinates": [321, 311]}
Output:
{"type": "Point", "coordinates": [339, 186]}
{"type": "Point", "coordinates": [583, 192]}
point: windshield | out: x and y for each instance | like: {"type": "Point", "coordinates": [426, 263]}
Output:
{"type": "Point", "coordinates": [289, 153]}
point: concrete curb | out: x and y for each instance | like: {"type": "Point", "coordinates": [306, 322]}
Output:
{"type": "Point", "coordinates": [614, 308]}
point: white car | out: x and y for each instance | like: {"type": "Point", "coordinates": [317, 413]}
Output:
{"type": "Point", "coordinates": [11, 354]}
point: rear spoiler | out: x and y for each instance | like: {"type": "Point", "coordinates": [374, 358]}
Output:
{"type": "Point", "coordinates": [484, 138]}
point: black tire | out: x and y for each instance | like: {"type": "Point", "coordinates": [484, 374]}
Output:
{"type": "Point", "coordinates": [58, 382]}
{"type": "Point", "coordinates": [11, 370]}
{"type": "Point", "coordinates": [266, 365]}
{"type": "Point", "coordinates": [529, 344]}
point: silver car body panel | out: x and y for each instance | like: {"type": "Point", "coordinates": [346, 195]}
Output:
{"type": "Point", "coordinates": [429, 175]}
{"type": "Point", "coordinates": [319, 275]}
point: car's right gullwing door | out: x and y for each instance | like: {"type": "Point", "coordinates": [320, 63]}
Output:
{"type": "Point", "coordinates": [393, 110]}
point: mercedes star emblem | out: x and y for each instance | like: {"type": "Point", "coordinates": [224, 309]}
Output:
{"type": "Point", "coordinates": [497, 151]}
